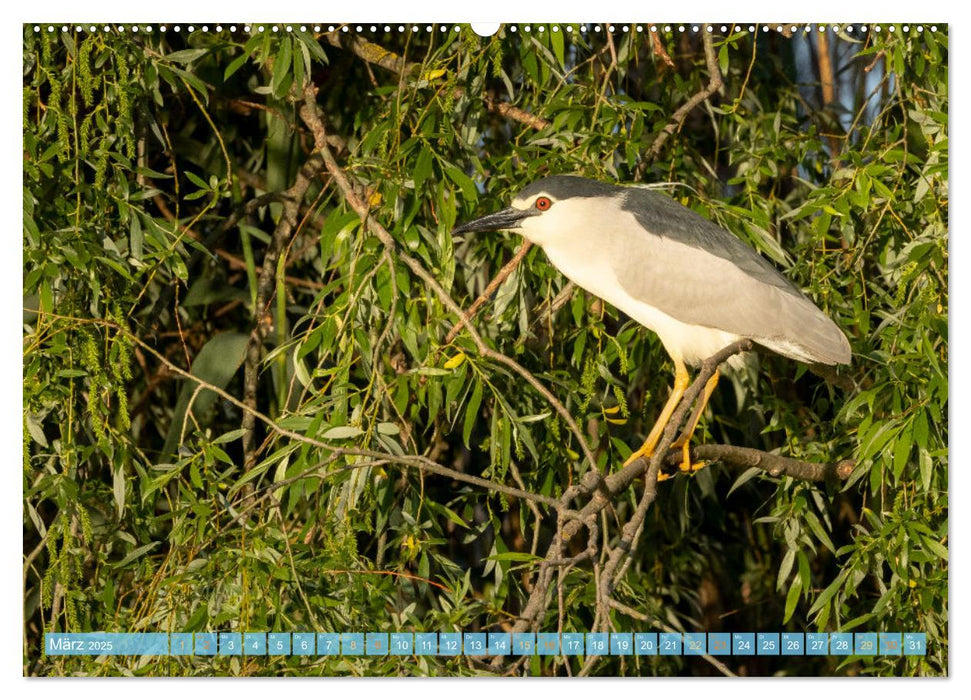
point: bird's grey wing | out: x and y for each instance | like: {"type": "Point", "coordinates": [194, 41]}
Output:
{"type": "Point", "coordinates": [700, 274]}
{"type": "Point", "coordinates": [663, 216]}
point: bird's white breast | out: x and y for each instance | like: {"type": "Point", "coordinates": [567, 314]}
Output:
{"type": "Point", "coordinates": [574, 238]}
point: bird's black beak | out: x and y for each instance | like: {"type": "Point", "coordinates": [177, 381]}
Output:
{"type": "Point", "coordinates": [504, 219]}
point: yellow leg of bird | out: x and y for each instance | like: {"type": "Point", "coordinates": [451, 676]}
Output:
{"type": "Point", "coordinates": [680, 384]}
{"type": "Point", "coordinates": [684, 442]}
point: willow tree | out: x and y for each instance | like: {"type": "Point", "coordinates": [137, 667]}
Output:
{"type": "Point", "coordinates": [265, 388]}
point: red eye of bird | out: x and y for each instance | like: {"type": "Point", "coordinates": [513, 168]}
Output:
{"type": "Point", "coordinates": [543, 203]}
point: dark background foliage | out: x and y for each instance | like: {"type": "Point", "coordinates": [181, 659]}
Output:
{"type": "Point", "coordinates": [179, 215]}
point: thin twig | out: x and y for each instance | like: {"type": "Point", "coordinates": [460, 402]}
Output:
{"type": "Point", "coordinates": [490, 289]}
{"type": "Point", "coordinates": [715, 83]}
{"type": "Point", "coordinates": [537, 603]}
{"type": "Point", "coordinates": [286, 227]}
{"type": "Point", "coordinates": [309, 113]}
{"type": "Point", "coordinates": [380, 56]}
{"type": "Point", "coordinates": [659, 49]}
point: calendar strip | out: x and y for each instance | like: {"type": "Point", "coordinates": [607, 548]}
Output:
{"type": "Point", "coordinates": [486, 644]}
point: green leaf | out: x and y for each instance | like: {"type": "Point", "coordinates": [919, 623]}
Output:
{"type": "Point", "coordinates": [936, 547]}
{"type": "Point", "coordinates": [926, 466]}
{"type": "Point", "coordinates": [423, 167]}
{"type": "Point", "coordinates": [342, 432]}
{"type": "Point", "coordinates": [792, 598]}
{"type": "Point", "coordinates": [215, 364]}
{"type": "Point", "coordinates": [829, 592]}
{"type": "Point", "coordinates": [197, 181]}
{"type": "Point", "coordinates": [135, 554]}
{"type": "Point", "coordinates": [281, 67]}
{"type": "Point", "coordinates": [186, 55]}
{"type": "Point", "coordinates": [901, 450]}
{"type": "Point", "coordinates": [785, 568]}
{"type": "Point", "coordinates": [193, 81]}
{"type": "Point", "coordinates": [231, 436]}
{"type": "Point", "coordinates": [469, 193]}
{"type": "Point", "coordinates": [817, 529]}
{"type": "Point", "coordinates": [471, 412]}
{"type": "Point", "coordinates": [35, 430]}
{"type": "Point", "coordinates": [556, 41]}
{"type": "Point", "coordinates": [921, 429]}
{"type": "Point", "coordinates": [235, 65]}
{"type": "Point", "coordinates": [744, 478]}
{"type": "Point", "coordinates": [118, 490]}
{"type": "Point", "coordinates": [136, 237]}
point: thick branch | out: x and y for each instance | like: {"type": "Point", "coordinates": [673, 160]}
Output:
{"type": "Point", "coordinates": [616, 483]}
{"type": "Point", "coordinates": [775, 465]}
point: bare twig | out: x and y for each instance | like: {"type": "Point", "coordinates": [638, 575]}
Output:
{"type": "Point", "coordinates": [308, 112]}
{"type": "Point", "coordinates": [715, 83]}
{"type": "Point", "coordinates": [286, 227]}
{"type": "Point", "coordinates": [490, 289]}
{"type": "Point", "coordinates": [380, 56]}
{"type": "Point", "coordinates": [659, 49]}
{"type": "Point", "coordinates": [547, 311]}
{"type": "Point", "coordinates": [504, 109]}
{"type": "Point", "coordinates": [632, 528]}
{"type": "Point", "coordinates": [612, 485]}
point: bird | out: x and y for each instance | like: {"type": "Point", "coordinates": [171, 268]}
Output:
{"type": "Point", "coordinates": [697, 286]}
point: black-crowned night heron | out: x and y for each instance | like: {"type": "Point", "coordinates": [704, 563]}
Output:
{"type": "Point", "coordinates": [693, 283]}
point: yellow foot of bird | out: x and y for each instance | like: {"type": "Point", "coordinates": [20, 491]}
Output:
{"type": "Point", "coordinates": [646, 454]}
{"type": "Point", "coordinates": [683, 468]}
{"type": "Point", "coordinates": [689, 468]}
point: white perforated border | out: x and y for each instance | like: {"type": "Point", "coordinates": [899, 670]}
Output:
{"type": "Point", "coordinates": [785, 29]}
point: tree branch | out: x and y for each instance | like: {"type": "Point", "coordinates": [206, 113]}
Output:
{"type": "Point", "coordinates": [774, 465]}
{"type": "Point", "coordinates": [380, 56]}
{"type": "Point", "coordinates": [286, 227]}
{"type": "Point", "coordinates": [715, 83]}
{"type": "Point", "coordinates": [490, 289]}
{"type": "Point", "coordinates": [309, 113]}
{"type": "Point", "coordinates": [603, 493]}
